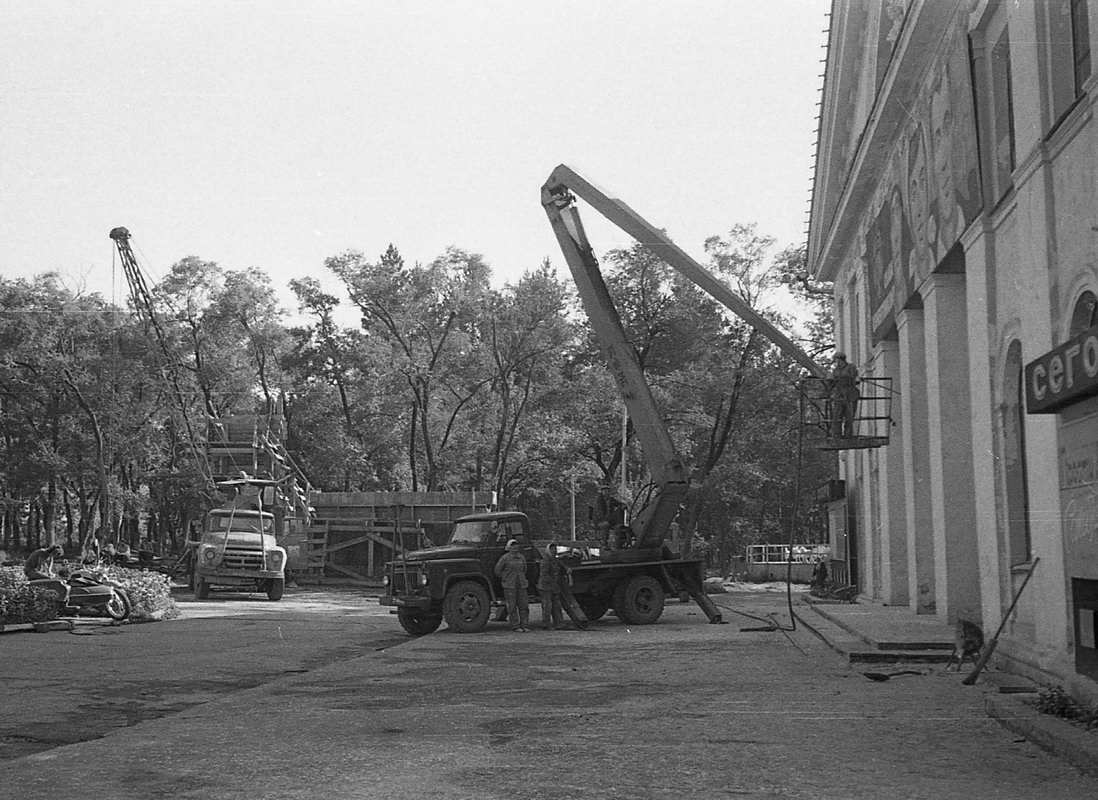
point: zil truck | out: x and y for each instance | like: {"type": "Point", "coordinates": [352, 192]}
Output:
{"type": "Point", "coordinates": [456, 582]}
{"type": "Point", "coordinates": [237, 548]}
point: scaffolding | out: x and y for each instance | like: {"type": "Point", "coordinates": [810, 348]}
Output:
{"type": "Point", "coordinates": [870, 415]}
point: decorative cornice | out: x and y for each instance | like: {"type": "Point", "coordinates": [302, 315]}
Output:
{"type": "Point", "coordinates": [919, 43]}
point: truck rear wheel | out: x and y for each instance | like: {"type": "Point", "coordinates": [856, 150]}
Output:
{"type": "Point", "coordinates": [640, 600]}
{"type": "Point", "coordinates": [418, 622]}
{"type": "Point", "coordinates": [593, 606]}
{"type": "Point", "coordinates": [275, 588]}
{"type": "Point", "coordinates": [466, 607]}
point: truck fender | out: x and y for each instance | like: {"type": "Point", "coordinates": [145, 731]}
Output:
{"type": "Point", "coordinates": [455, 577]}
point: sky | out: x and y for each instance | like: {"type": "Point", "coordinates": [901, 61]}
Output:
{"type": "Point", "coordinates": [275, 134]}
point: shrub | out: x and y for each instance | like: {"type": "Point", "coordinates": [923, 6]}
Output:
{"type": "Point", "coordinates": [20, 602]}
{"type": "Point", "coordinates": [1055, 701]}
{"type": "Point", "coordinates": [150, 593]}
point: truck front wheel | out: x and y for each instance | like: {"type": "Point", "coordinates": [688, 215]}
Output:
{"type": "Point", "coordinates": [418, 622]}
{"type": "Point", "coordinates": [466, 607]}
{"type": "Point", "coordinates": [640, 600]}
{"type": "Point", "coordinates": [275, 588]}
{"type": "Point", "coordinates": [201, 588]}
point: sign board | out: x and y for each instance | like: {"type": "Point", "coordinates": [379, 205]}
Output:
{"type": "Point", "coordinates": [1064, 375]}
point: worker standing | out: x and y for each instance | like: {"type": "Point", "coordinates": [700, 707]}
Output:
{"type": "Point", "coordinates": [844, 396]}
{"type": "Point", "coordinates": [608, 512]}
{"type": "Point", "coordinates": [550, 575]}
{"type": "Point", "coordinates": [511, 569]}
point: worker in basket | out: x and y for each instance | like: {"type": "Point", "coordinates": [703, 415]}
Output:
{"type": "Point", "coordinates": [606, 516]}
{"type": "Point", "coordinates": [843, 396]}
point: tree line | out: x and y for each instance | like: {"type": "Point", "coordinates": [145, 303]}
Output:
{"type": "Point", "coordinates": [440, 383]}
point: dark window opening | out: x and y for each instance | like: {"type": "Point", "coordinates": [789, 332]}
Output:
{"type": "Point", "coordinates": [1014, 457]}
{"type": "Point", "coordinates": [1080, 43]}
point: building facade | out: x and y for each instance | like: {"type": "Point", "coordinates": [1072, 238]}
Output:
{"type": "Point", "coordinates": [955, 208]}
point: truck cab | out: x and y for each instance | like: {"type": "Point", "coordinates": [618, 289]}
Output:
{"type": "Point", "coordinates": [237, 550]}
{"type": "Point", "coordinates": [457, 581]}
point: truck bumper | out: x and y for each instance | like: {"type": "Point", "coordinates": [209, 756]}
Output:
{"type": "Point", "coordinates": [404, 602]}
{"type": "Point", "coordinates": [237, 577]}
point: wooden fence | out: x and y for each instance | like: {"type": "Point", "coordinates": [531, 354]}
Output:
{"type": "Point", "coordinates": [352, 534]}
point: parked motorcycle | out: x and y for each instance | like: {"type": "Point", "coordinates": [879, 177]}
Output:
{"type": "Point", "coordinates": [91, 590]}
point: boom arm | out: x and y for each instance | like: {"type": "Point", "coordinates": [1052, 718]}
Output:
{"type": "Point", "coordinates": [558, 196]}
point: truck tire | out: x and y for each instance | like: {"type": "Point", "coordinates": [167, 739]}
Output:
{"type": "Point", "coordinates": [593, 606]}
{"type": "Point", "coordinates": [419, 622]}
{"type": "Point", "coordinates": [201, 588]}
{"type": "Point", "coordinates": [640, 600]}
{"type": "Point", "coordinates": [275, 588]}
{"type": "Point", "coordinates": [466, 607]}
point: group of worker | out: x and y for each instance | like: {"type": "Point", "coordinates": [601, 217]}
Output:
{"type": "Point", "coordinates": [556, 598]}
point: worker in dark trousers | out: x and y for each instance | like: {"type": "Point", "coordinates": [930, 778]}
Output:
{"type": "Point", "coordinates": [511, 569]}
{"type": "Point", "coordinates": [606, 514]}
{"type": "Point", "coordinates": [844, 396]}
{"type": "Point", "coordinates": [550, 576]}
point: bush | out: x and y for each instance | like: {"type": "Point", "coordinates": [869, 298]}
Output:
{"type": "Point", "coordinates": [20, 602]}
{"type": "Point", "coordinates": [150, 593]}
{"type": "Point", "coordinates": [1055, 701]}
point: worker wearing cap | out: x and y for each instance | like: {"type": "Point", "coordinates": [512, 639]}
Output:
{"type": "Point", "coordinates": [511, 569]}
{"type": "Point", "coordinates": [844, 396]}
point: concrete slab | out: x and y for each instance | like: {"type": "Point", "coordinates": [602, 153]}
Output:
{"type": "Point", "coordinates": [887, 627]}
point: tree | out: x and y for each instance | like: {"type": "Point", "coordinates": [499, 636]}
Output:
{"type": "Point", "coordinates": [725, 392]}
{"type": "Point", "coordinates": [426, 318]}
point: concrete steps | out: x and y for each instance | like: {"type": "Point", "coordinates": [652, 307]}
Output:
{"type": "Point", "coordinates": [877, 636]}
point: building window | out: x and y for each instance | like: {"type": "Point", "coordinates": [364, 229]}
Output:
{"type": "Point", "coordinates": [1014, 456]}
{"type": "Point", "coordinates": [1084, 316]}
{"type": "Point", "coordinates": [1080, 43]}
{"type": "Point", "coordinates": [995, 104]}
{"type": "Point", "coordinates": [1003, 102]}
{"type": "Point", "coordinates": [1068, 34]}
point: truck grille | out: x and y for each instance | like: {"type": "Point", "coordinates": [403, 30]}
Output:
{"type": "Point", "coordinates": [404, 581]}
{"type": "Point", "coordinates": [242, 559]}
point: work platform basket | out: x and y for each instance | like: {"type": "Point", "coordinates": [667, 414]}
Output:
{"type": "Point", "coordinates": [868, 424]}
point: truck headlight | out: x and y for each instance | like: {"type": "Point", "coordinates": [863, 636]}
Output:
{"type": "Point", "coordinates": [423, 579]}
{"type": "Point", "coordinates": [385, 581]}
{"type": "Point", "coordinates": [209, 555]}
{"type": "Point", "coordinates": [276, 559]}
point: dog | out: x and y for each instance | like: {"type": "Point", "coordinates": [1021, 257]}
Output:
{"type": "Point", "coordinates": [967, 643]}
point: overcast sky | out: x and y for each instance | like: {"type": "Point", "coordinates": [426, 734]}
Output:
{"type": "Point", "coordinates": [274, 134]}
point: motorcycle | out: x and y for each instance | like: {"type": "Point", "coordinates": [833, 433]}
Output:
{"type": "Point", "coordinates": [91, 590]}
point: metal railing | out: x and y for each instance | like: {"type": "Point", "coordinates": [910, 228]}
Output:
{"type": "Point", "coordinates": [848, 423]}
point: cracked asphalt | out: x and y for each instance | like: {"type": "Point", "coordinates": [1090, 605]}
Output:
{"type": "Point", "coordinates": [322, 695]}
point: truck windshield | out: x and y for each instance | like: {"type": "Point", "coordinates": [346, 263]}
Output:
{"type": "Point", "coordinates": [475, 532]}
{"type": "Point", "coordinates": [238, 522]}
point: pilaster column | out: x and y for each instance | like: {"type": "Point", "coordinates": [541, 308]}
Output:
{"type": "Point", "coordinates": [892, 505]}
{"type": "Point", "coordinates": [912, 422]}
{"type": "Point", "coordinates": [949, 418]}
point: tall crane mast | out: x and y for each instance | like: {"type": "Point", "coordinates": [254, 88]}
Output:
{"type": "Point", "coordinates": [142, 302]}
{"type": "Point", "coordinates": [558, 198]}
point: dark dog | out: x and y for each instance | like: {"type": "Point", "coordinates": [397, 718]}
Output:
{"type": "Point", "coordinates": [968, 642]}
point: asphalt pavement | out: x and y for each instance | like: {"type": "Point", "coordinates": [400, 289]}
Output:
{"type": "Point", "coordinates": [762, 706]}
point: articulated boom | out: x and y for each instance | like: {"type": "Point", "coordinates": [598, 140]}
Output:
{"type": "Point", "coordinates": [558, 196]}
